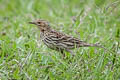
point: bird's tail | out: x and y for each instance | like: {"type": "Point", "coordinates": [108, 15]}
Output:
{"type": "Point", "coordinates": [90, 45]}
{"type": "Point", "coordinates": [95, 45]}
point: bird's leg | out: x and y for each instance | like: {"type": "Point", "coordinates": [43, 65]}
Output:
{"type": "Point", "coordinates": [71, 52]}
{"type": "Point", "coordinates": [63, 54]}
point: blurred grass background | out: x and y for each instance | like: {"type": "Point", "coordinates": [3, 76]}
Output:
{"type": "Point", "coordinates": [24, 57]}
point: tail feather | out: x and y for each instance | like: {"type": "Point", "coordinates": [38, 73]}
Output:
{"type": "Point", "coordinates": [95, 45]}
{"type": "Point", "coordinates": [89, 45]}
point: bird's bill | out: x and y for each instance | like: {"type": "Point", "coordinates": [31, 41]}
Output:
{"type": "Point", "coordinates": [32, 22]}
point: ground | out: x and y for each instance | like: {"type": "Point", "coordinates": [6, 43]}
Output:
{"type": "Point", "coordinates": [24, 57]}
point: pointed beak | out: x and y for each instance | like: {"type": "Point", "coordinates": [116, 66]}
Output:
{"type": "Point", "coordinates": [32, 22]}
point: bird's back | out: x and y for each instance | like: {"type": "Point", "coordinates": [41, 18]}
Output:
{"type": "Point", "coordinates": [57, 40]}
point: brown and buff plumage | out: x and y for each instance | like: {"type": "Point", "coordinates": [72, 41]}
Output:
{"type": "Point", "coordinates": [57, 40]}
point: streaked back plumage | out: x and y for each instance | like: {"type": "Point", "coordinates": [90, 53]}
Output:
{"type": "Point", "coordinates": [56, 40]}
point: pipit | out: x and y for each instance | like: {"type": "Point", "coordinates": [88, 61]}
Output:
{"type": "Point", "coordinates": [58, 40]}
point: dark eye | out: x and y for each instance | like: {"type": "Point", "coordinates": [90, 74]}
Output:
{"type": "Point", "coordinates": [39, 22]}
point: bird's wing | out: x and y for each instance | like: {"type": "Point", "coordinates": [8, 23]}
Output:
{"type": "Point", "coordinates": [65, 40]}
{"type": "Point", "coordinates": [68, 42]}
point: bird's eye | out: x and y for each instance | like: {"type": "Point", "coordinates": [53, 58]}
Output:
{"type": "Point", "coordinates": [39, 22]}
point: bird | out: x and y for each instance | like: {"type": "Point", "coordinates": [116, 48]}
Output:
{"type": "Point", "coordinates": [59, 41]}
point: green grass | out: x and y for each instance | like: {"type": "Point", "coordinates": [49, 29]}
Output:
{"type": "Point", "coordinates": [24, 57]}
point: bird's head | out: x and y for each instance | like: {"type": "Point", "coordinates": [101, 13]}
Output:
{"type": "Point", "coordinates": [41, 24]}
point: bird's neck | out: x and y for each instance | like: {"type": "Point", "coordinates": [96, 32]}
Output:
{"type": "Point", "coordinates": [45, 30]}
{"type": "Point", "coordinates": [44, 33]}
